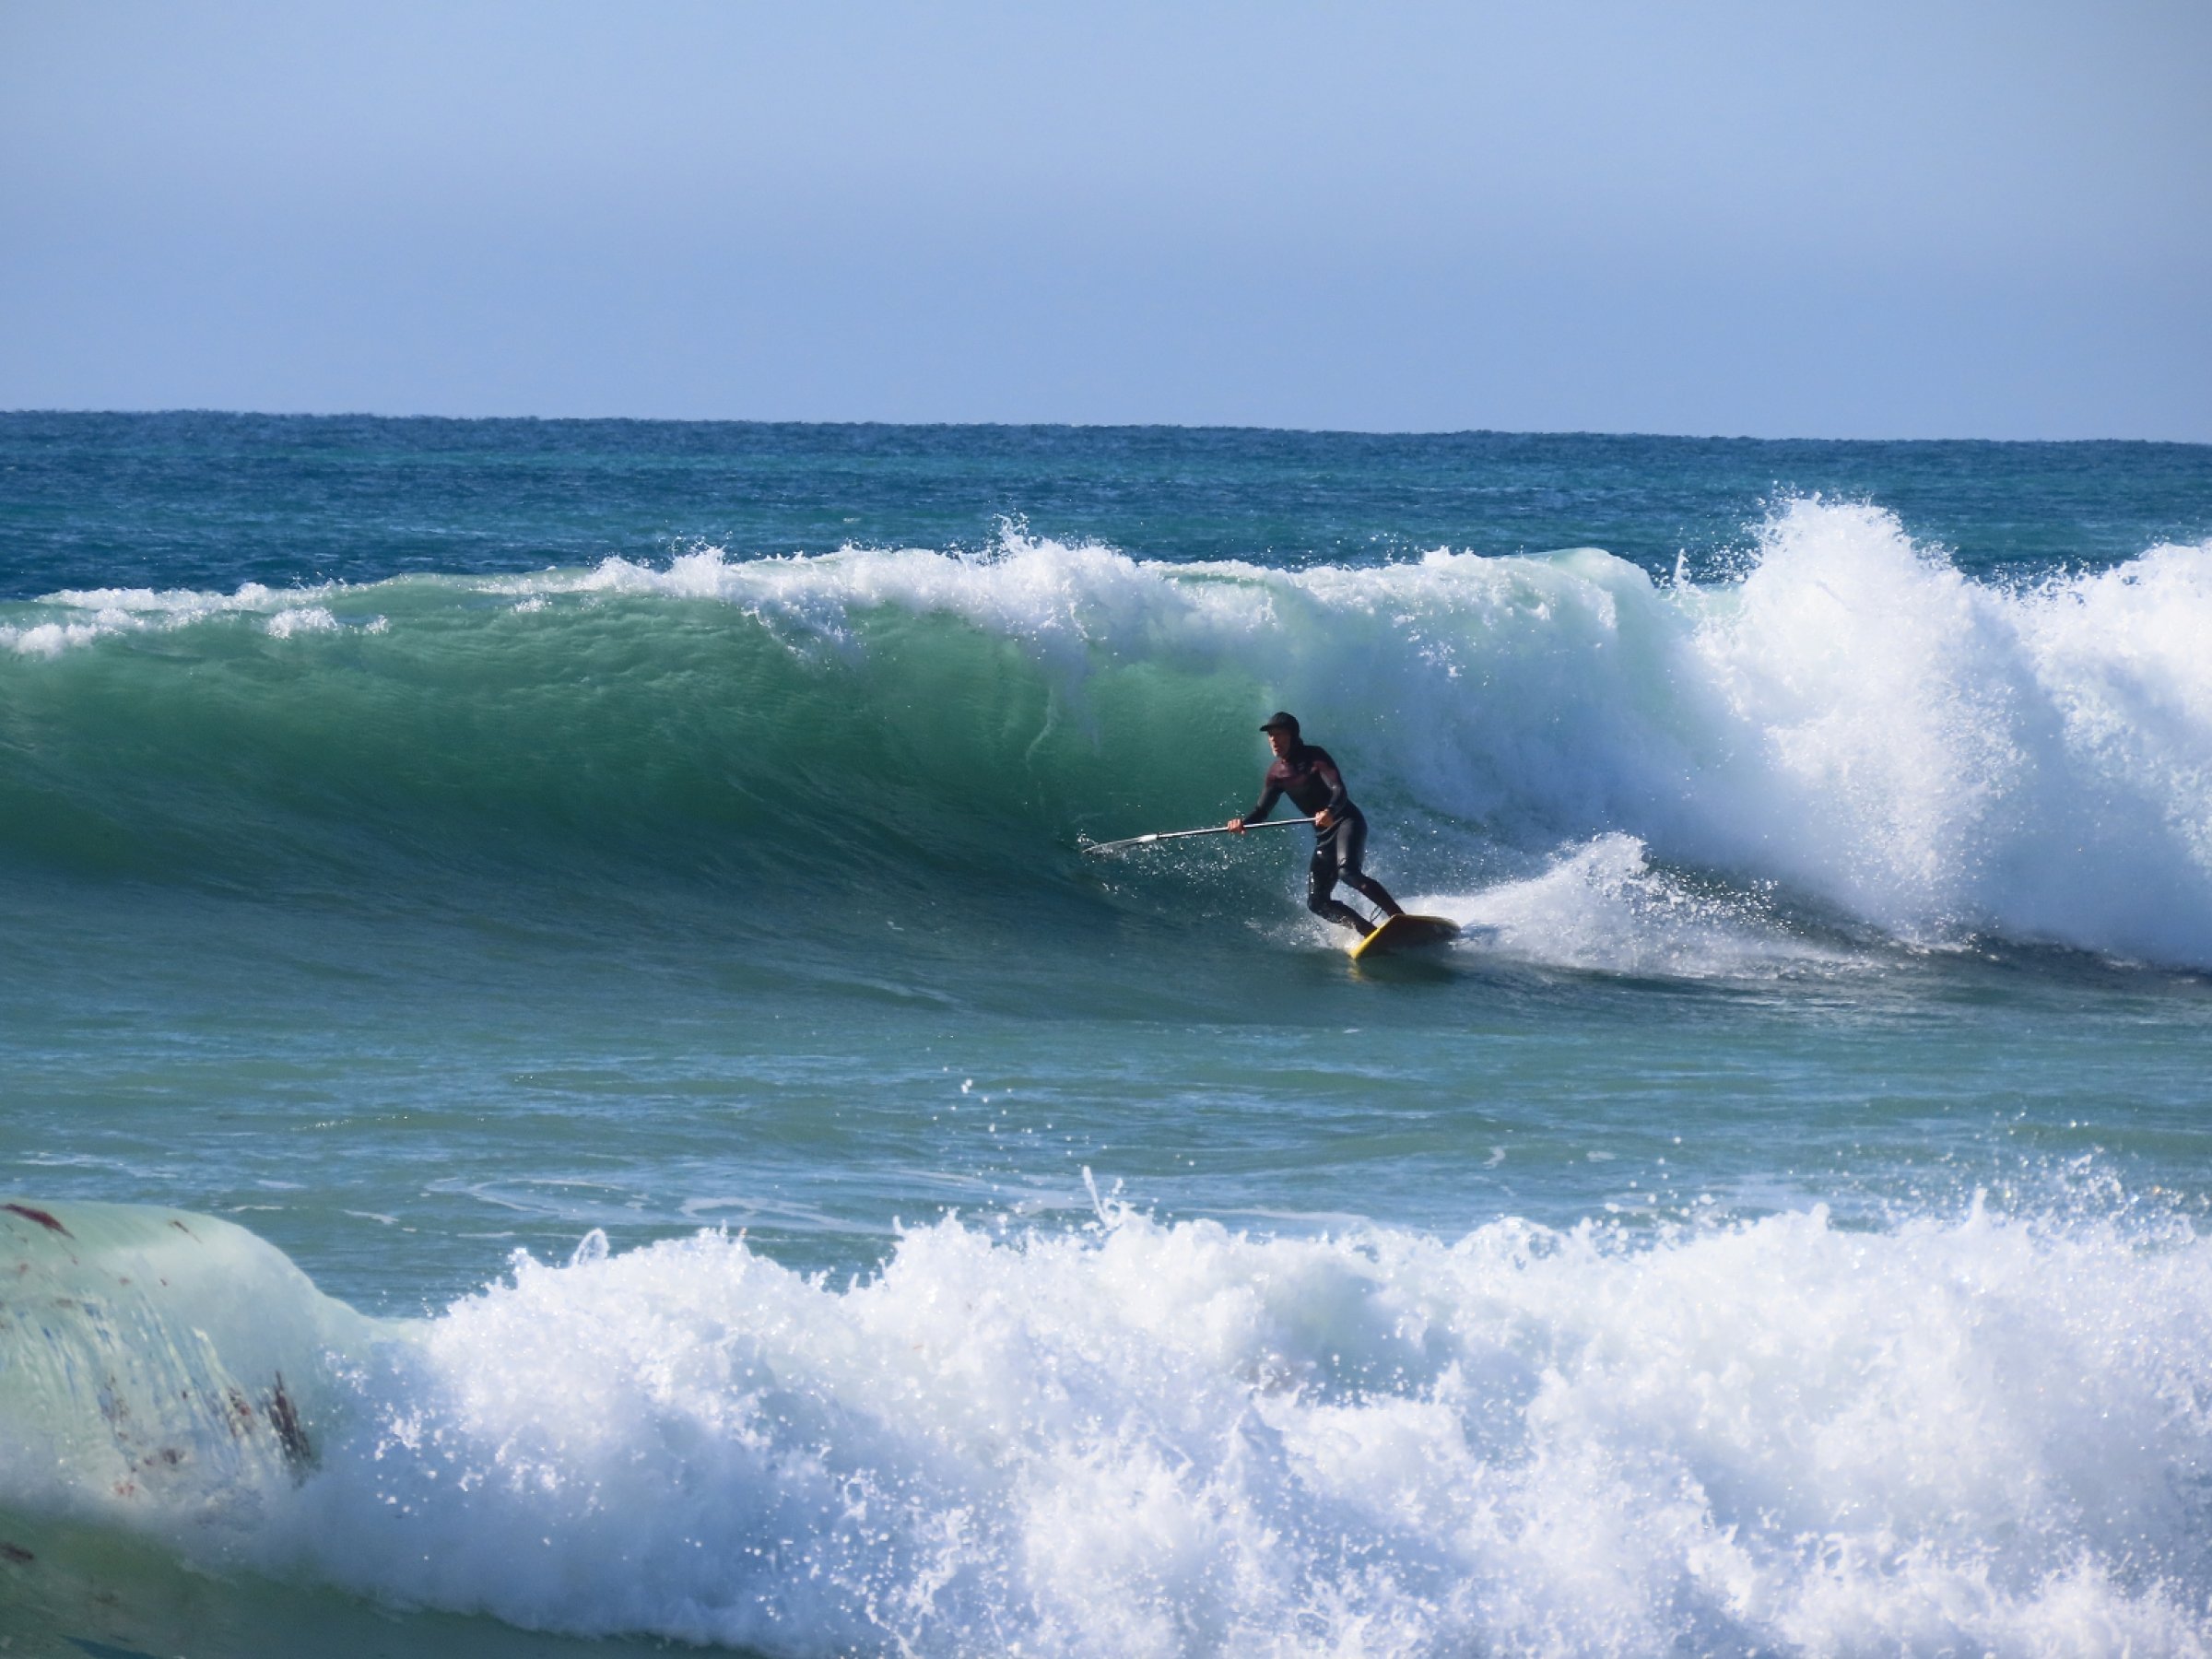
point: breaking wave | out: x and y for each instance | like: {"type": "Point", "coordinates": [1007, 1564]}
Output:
{"type": "Point", "coordinates": [1849, 719]}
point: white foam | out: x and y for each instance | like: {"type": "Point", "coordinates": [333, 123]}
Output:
{"type": "Point", "coordinates": [1969, 1433]}
{"type": "Point", "coordinates": [51, 639]}
{"type": "Point", "coordinates": [84, 616]}
{"type": "Point", "coordinates": [302, 618]}
{"type": "Point", "coordinates": [1940, 756]}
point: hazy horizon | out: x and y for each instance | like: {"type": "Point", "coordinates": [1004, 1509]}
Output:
{"type": "Point", "coordinates": [1187, 426]}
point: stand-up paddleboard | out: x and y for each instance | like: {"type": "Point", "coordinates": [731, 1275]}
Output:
{"type": "Point", "coordinates": [1406, 933]}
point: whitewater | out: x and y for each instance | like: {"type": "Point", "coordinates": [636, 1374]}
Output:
{"type": "Point", "coordinates": [570, 1084]}
{"type": "Point", "coordinates": [1140, 1439]}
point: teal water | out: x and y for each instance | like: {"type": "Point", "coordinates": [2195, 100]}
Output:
{"type": "Point", "coordinates": [1776, 1226]}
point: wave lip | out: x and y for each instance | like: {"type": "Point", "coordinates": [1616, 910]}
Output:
{"type": "Point", "coordinates": [1967, 1432]}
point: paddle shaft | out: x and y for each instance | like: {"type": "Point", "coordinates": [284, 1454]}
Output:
{"type": "Point", "coordinates": [1166, 835]}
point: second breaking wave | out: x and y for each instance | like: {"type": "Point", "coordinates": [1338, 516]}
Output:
{"type": "Point", "coordinates": [1964, 1432]}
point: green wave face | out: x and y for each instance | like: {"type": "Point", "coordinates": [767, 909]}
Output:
{"type": "Point", "coordinates": [433, 725]}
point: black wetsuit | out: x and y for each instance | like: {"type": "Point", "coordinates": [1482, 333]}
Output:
{"type": "Point", "coordinates": [1311, 779]}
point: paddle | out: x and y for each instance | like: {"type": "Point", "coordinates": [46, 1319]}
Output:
{"type": "Point", "coordinates": [1160, 835]}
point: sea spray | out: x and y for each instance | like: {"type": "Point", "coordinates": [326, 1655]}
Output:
{"type": "Point", "coordinates": [1941, 755]}
{"type": "Point", "coordinates": [1603, 907]}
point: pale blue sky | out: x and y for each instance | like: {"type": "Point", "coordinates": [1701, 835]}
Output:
{"type": "Point", "coordinates": [1878, 219]}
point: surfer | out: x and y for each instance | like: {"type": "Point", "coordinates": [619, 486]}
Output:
{"type": "Point", "coordinates": [1304, 771]}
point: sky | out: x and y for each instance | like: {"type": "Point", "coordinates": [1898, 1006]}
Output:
{"type": "Point", "coordinates": [1874, 219]}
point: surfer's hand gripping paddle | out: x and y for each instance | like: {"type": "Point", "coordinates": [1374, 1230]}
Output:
{"type": "Point", "coordinates": [1168, 835]}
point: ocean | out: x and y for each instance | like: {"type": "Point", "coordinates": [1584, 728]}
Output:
{"type": "Point", "coordinates": [571, 1084]}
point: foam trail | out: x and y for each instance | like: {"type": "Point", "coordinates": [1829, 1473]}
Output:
{"type": "Point", "coordinates": [1963, 1433]}
{"type": "Point", "coordinates": [1601, 907]}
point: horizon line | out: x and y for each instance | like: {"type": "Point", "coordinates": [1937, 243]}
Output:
{"type": "Point", "coordinates": [1069, 426]}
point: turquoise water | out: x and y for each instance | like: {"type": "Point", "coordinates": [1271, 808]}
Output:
{"type": "Point", "coordinates": [1776, 1226]}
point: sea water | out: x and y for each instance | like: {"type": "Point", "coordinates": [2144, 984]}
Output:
{"type": "Point", "coordinates": [567, 1074]}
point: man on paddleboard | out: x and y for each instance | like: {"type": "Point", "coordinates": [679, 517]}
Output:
{"type": "Point", "coordinates": [1304, 772]}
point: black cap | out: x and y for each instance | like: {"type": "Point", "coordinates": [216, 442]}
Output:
{"type": "Point", "coordinates": [1280, 721]}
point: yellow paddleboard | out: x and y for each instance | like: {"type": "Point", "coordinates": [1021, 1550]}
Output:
{"type": "Point", "coordinates": [1406, 933]}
